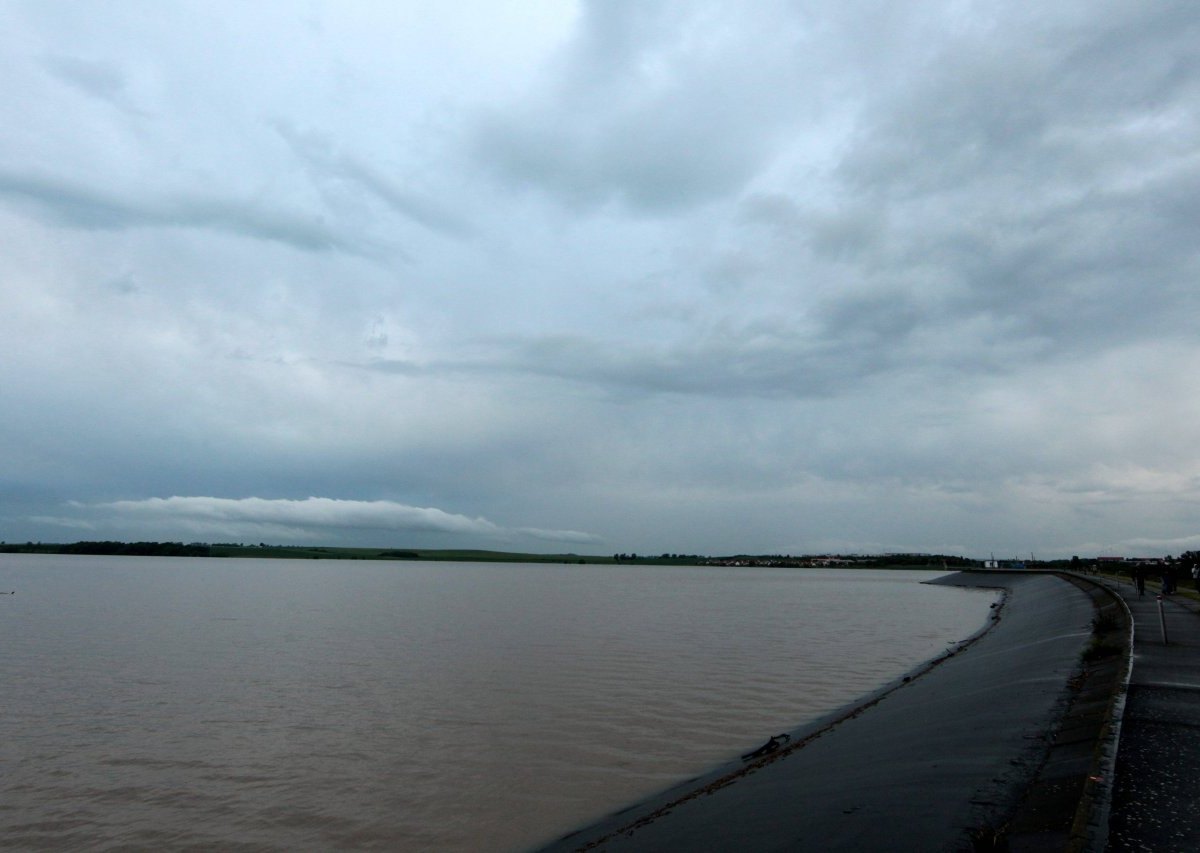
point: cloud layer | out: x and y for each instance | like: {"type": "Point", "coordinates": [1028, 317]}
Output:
{"type": "Point", "coordinates": [686, 277]}
{"type": "Point", "coordinates": [244, 518]}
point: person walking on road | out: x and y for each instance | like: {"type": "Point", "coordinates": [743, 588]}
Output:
{"type": "Point", "coordinates": [1139, 579]}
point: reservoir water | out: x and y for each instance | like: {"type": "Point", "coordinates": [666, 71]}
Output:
{"type": "Point", "coordinates": [158, 703]}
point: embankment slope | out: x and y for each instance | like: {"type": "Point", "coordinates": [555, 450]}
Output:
{"type": "Point", "coordinates": [931, 763]}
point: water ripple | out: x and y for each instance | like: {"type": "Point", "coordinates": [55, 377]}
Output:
{"type": "Point", "coordinates": [278, 705]}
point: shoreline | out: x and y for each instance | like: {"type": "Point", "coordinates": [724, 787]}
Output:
{"type": "Point", "coordinates": [909, 755]}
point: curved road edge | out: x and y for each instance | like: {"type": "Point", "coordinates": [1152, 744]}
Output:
{"type": "Point", "coordinates": [1010, 746]}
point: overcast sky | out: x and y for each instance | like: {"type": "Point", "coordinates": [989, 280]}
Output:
{"type": "Point", "coordinates": [623, 275]}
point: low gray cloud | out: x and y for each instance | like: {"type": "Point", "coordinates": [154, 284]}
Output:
{"type": "Point", "coordinates": [309, 518]}
{"type": "Point", "coordinates": [97, 78]}
{"type": "Point", "coordinates": [77, 205]}
{"type": "Point", "coordinates": [643, 109]}
{"type": "Point", "coordinates": [847, 342]}
{"type": "Point", "coordinates": [328, 163]}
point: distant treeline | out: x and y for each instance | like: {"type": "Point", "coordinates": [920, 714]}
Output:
{"type": "Point", "coordinates": [293, 552]}
{"type": "Point", "coordinates": [316, 552]}
{"type": "Point", "coordinates": [836, 561]}
{"type": "Point", "coordinates": [130, 549]}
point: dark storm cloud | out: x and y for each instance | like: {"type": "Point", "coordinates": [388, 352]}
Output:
{"type": "Point", "coordinates": [1054, 94]}
{"type": "Point", "coordinates": [1036, 173]}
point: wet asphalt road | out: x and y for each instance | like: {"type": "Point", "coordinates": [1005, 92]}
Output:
{"type": "Point", "coordinates": [934, 763]}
